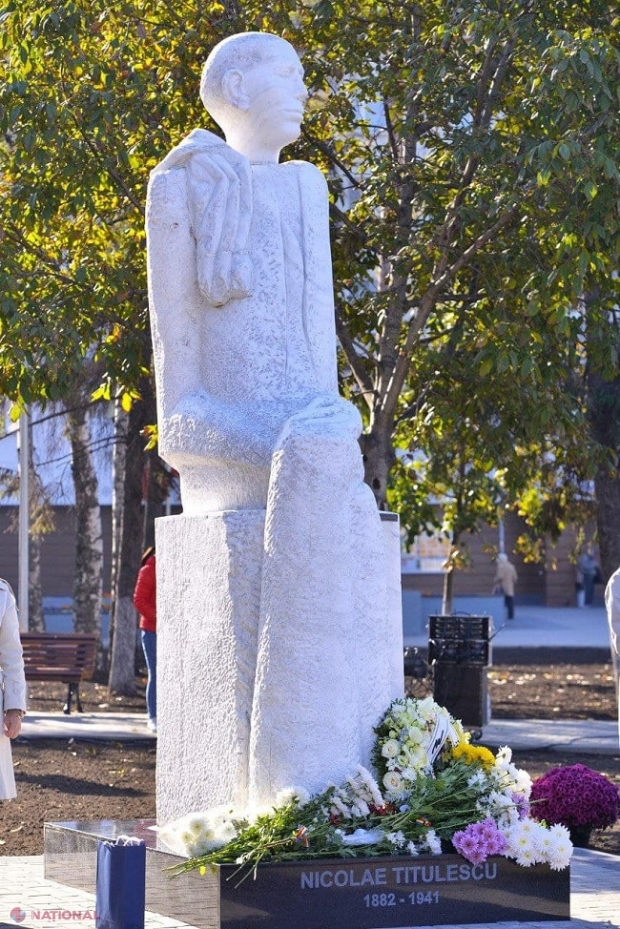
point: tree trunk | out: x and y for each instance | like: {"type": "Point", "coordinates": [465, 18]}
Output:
{"type": "Point", "coordinates": [378, 455]}
{"type": "Point", "coordinates": [121, 425]}
{"type": "Point", "coordinates": [123, 648]}
{"type": "Point", "coordinates": [607, 487]}
{"type": "Point", "coordinates": [157, 488]}
{"type": "Point", "coordinates": [447, 599]}
{"type": "Point", "coordinates": [88, 579]}
{"type": "Point", "coordinates": [604, 419]}
{"type": "Point", "coordinates": [36, 619]}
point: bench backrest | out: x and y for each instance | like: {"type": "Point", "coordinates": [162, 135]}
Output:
{"type": "Point", "coordinates": [71, 650]}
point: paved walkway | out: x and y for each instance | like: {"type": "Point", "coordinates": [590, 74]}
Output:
{"type": "Point", "coordinates": [546, 627]}
{"type": "Point", "coordinates": [28, 900]}
{"type": "Point", "coordinates": [533, 627]}
{"type": "Point", "coordinates": [114, 727]}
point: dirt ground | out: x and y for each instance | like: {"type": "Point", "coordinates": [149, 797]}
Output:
{"type": "Point", "coordinates": [60, 780]}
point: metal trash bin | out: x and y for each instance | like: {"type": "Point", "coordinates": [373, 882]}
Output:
{"type": "Point", "coordinates": [459, 652]}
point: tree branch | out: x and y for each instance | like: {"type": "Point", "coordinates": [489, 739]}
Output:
{"type": "Point", "coordinates": [362, 378]}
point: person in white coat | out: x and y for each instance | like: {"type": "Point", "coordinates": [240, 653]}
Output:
{"type": "Point", "coordinates": [612, 604]}
{"type": "Point", "coordinates": [12, 688]}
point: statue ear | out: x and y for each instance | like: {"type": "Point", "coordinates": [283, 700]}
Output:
{"type": "Point", "coordinates": [233, 89]}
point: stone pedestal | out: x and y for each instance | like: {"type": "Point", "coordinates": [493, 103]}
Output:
{"type": "Point", "coordinates": [208, 594]}
{"type": "Point", "coordinates": [208, 604]}
{"type": "Point", "coordinates": [390, 524]}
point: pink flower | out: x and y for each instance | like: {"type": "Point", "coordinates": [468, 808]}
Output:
{"type": "Point", "coordinates": [479, 840]}
{"type": "Point", "coordinates": [465, 843]}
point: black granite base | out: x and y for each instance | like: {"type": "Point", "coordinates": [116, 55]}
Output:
{"type": "Point", "coordinates": [391, 893]}
{"type": "Point", "coordinates": [70, 857]}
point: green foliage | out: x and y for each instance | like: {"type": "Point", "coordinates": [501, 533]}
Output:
{"type": "Point", "coordinates": [471, 150]}
{"type": "Point", "coordinates": [473, 155]}
{"type": "Point", "coordinates": [94, 95]}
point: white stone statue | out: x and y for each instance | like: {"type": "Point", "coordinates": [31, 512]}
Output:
{"type": "Point", "coordinates": [272, 591]}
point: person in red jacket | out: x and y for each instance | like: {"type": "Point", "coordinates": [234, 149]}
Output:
{"type": "Point", "coordinates": [145, 602]}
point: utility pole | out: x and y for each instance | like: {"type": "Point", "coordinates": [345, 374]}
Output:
{"type": "Point", "coordinates": [24, 521]}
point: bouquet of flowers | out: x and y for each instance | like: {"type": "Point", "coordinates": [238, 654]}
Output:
{"type": "Point", "coordinates": [433, 791]}
{"type": "Point", "coordinates": [575, 796]}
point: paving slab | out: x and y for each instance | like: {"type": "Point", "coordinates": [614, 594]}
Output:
{"type": "Point", "coordinates": [113, 727]}
{"type": "Point", "coordinates": [29, 900]}
{"type": "Point", "coordinates": [582, 736]}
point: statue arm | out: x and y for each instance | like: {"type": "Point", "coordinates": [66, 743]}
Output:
{"type": "Point", "coordinates": [202, 427]}
{"type": "Point", "coordinates": [194, 426]}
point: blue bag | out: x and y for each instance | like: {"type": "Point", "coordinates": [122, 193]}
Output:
{"type": "Point", "coordinates": [121, 880]}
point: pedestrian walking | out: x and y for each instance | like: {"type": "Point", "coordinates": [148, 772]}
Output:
{"type": "Point", "coordinates": [591, 573]}
{"type": "Point", "coordinates": [144, 598]}
{"type": "Point", "coordinates": [504, 582]}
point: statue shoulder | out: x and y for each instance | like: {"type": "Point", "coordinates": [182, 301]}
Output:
{"type": "Point", "coordinates": [308, 171]}
{"type": "Point", "coordinates": [199, 145]}
{"type": "Point", "coordinates": [191, 172]}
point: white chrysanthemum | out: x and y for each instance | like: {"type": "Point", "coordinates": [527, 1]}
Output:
{"type": "Point", "coordinates": [374, 794]}
{"type": "Point", "coordinates": [477, 780]}
{"type": "Point", "coordinates": [501, 806]}
{"type": "Point", "coordinates": [360, 809]}
{"type": "Point", "coordinates": [523, 784]}
{"type": "Point", "coordinates": [560, 832]}
{"type": "Point", "coordinates": [397, 839]}
{"type": "Point", "coordinates": [390, 749]}
{"type": "Point", "coordinates": [554, 847]}
{"type": "Point", "coordinates": [412, 850]}
{"type": "Point", "coordinates": [255, 812]}
{"type": "Point", "coordinates": [195, 823]}
{"type": "Point", "coordinates": [558, 862]}
{"type": "Point", "coordinates": [545, 842]}
{"type": "Point", "coordinates": [523, 841]}
{"type": "Point", "coordinates": [222, 832]}
{"type": "Point", "coordinates": [410, 774]}
{"type": "Point", "coordinates": [529, 827]}
{"type": "Point", "coordinates": [419, 757]}
{"type": "Point", "coordinates": [297, 795]}
{"type": "Point", "coordinates": [526, 858]}
{"type": "Point", "coordinates": [518, 842]}
{"type": "Point", "coordinates": [189, 839]}
{"type": "Point", "coordinates": [562, 847]}
{"type": "Point", "coordinates": [432, 842]}
{"type": "Point", "coordinates": [339, 807]}
{"type": "Point", "coordinates": [503, 756]}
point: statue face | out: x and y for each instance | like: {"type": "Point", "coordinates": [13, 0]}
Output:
{"type": "Point", "coordinates": [276, 97]}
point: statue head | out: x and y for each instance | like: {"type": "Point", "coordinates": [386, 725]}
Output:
{"type": "Point", "coordinates": [252, 85]}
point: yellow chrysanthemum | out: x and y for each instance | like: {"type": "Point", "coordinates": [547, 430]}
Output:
{"type": "Point", "coordinates": [472, 753]}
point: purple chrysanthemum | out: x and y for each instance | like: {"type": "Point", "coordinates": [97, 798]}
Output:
{"type": "Point", "coordinates": [479, 840]}
{"type": "Point", "coordinates": [575, 795]}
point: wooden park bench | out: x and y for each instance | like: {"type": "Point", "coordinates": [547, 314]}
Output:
{"type": "Point", "coordinates": [68, 657]}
